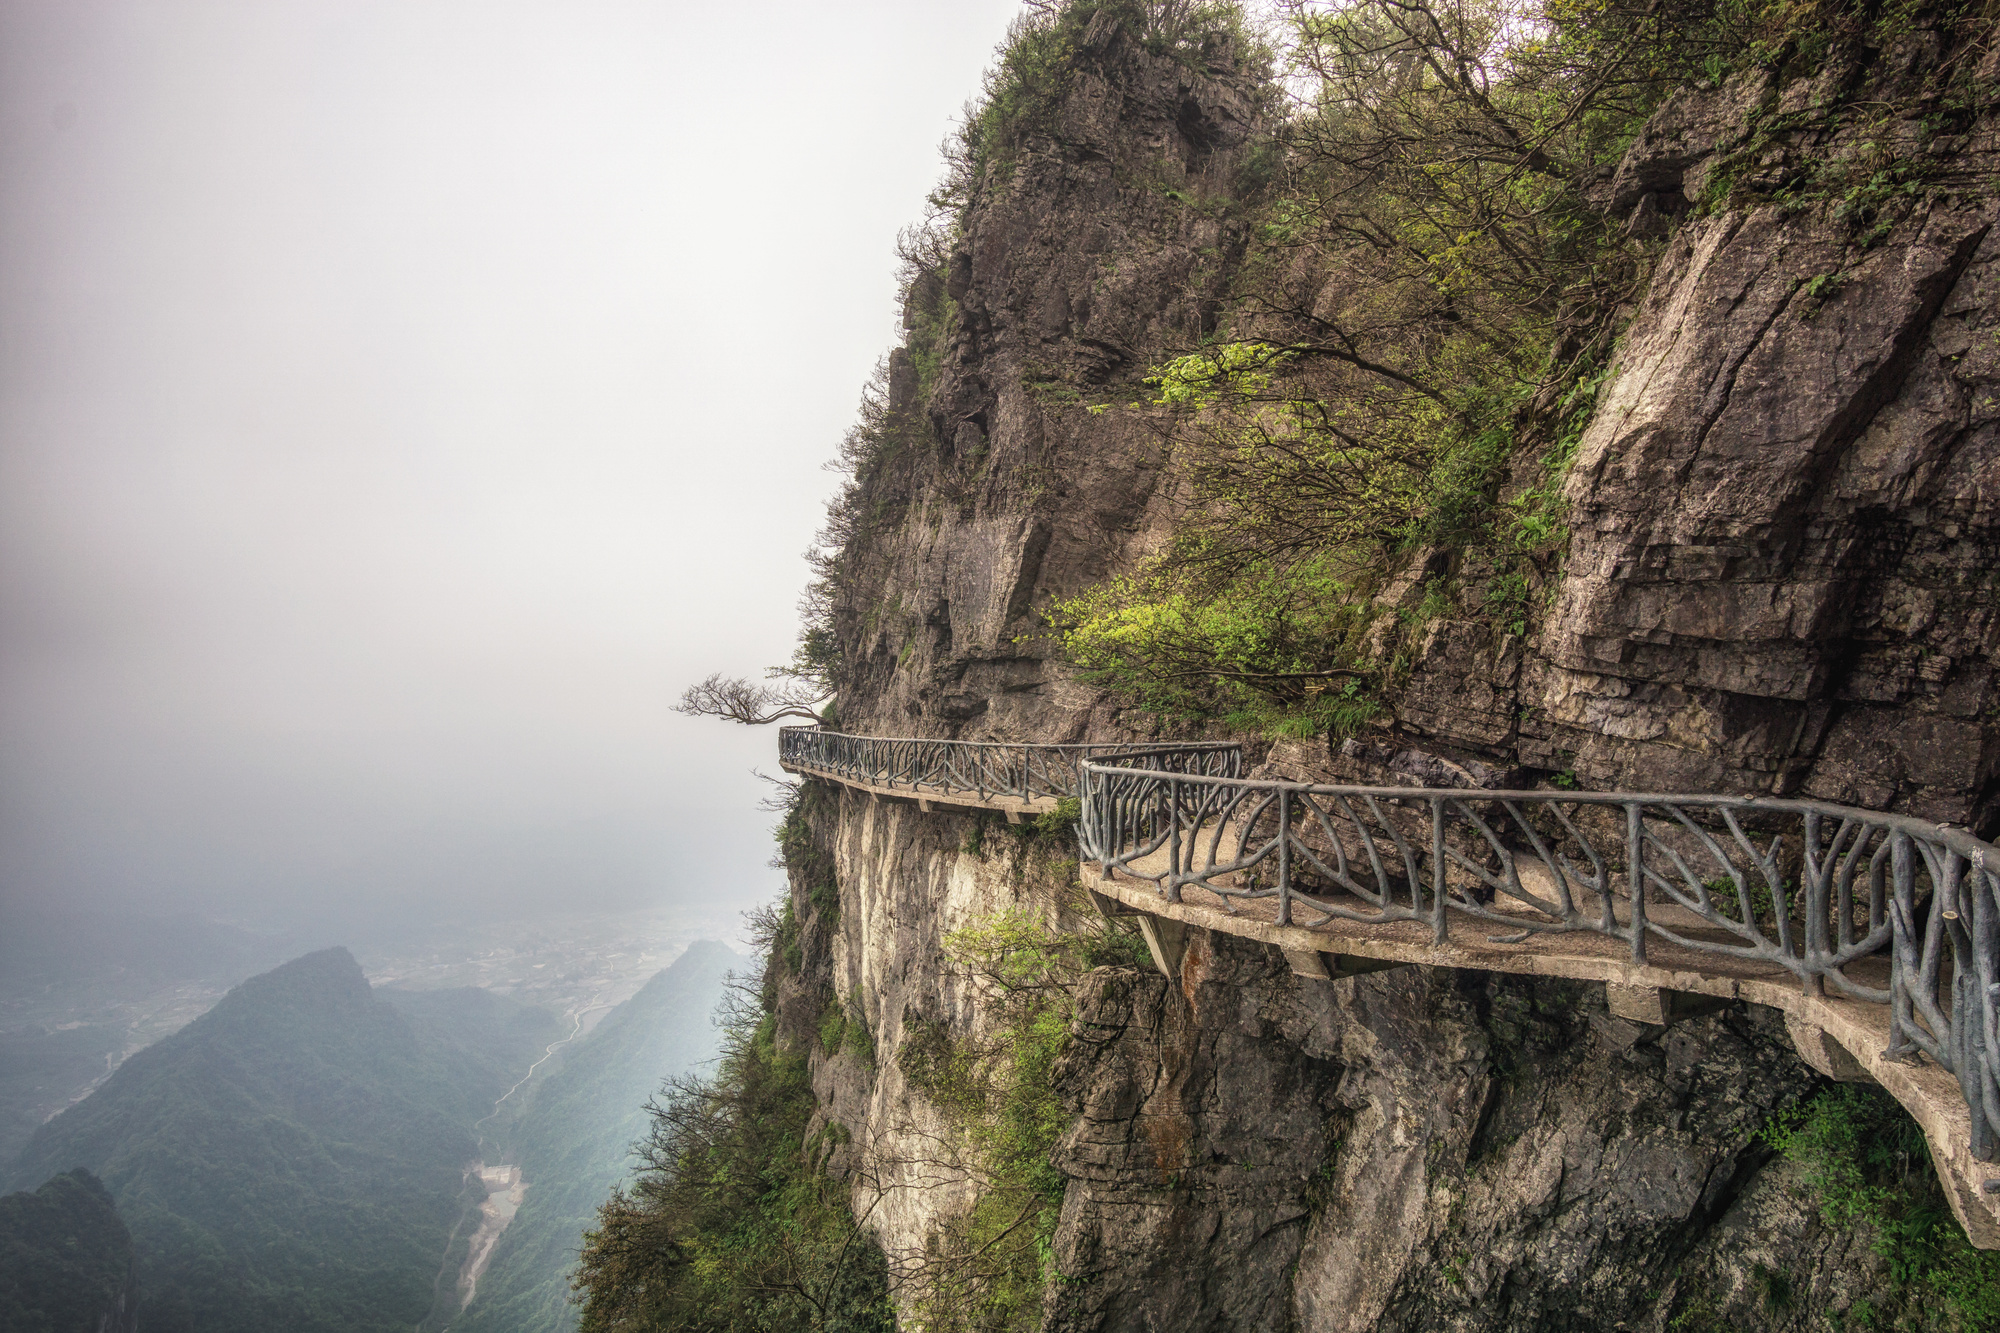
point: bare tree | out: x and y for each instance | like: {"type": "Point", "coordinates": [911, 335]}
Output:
{"type": "Point", "coordinates": [737, 699]}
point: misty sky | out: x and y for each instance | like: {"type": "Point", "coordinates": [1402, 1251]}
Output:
{"type": "Point", "coordinates": [399, 403]}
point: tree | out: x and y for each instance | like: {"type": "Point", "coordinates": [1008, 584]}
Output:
{"type": "Point", "coordinates": [738, 699]}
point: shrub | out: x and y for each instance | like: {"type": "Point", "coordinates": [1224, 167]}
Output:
{"type": "Point", "coordinates": [1867, 1162]}
{"type": "Point", "coordinates": [1262, 645]}
{"type": "Point", "coordinates": [987, 1268]}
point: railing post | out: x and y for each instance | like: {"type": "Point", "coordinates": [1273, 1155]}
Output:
{"type": "Point", "coordinates": [1816, 882]}
{"type": "Point", "coordinates": [1635, 851]}
{"type": "Point", "coordinates": [1437, 871]}
{"type": "Point", "coordinates": [1284, 856]}
{"type": "Point", "coordinates": [1173, 841]}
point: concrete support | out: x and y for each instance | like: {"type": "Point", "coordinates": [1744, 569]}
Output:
{"type": "Point", "coordinates": [1656, 1007]}
{"type": "Point", "coordinates": [1108, 907]}
{"type": "Point", "coordinates": [1818, 1048]}
{"type": "Point", "coordinates": [1015, 817]}
{"type": "Point", "coordinates": [1322, 966]}
{"type": "Point", "coordinates": [1168, 941]}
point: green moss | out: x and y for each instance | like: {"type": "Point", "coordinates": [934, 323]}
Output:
{"type": "Point", "coordinates": [833, 1028]}
{"type": "Point", "coordinates": [860, 1041]}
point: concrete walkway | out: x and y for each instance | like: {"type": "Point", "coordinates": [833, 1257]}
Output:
{"type": "Point", "coordinates": [1841, 1038]}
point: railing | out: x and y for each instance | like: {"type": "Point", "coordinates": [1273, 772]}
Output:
{"type": "Point", "coordinates": [981, 768]}
{"type": "Point", "coordinates": [1881, 908]}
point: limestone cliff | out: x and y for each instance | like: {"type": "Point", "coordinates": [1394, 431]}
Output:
{"type": "Point", "coordinates": [1781, 577]}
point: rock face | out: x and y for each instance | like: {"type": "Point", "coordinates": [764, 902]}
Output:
{"type": "Point", "coordinates": [1078, 264]}
{"type": "Point", "coordinates": [1784, 577]}
{"type": "Point", "coordinates": [1784, 566]}
{"type": "Point", "coordinates": [1415, 1149]}
{"type": "Point", "coordinates": [1783, 570]}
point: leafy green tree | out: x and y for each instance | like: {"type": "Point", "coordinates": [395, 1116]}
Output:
{"type": "Point", "coordinates": [1431, 281]}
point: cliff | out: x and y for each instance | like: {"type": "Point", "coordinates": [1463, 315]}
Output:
{"type": "Point", "coordinates": [1776, 572]}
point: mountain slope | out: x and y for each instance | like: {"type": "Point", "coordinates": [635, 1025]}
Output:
{"type": "Point", "coordinates": [292, 1159]}
{"type": "Point", "coordinates": [65, 1259]}
{"type": "Point", "coordinates": [572, 1141]}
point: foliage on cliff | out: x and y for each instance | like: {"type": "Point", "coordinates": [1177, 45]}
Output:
{"type": "Point", "coordinates": [1866, 1161]}
{"type": "Point", "coordinates": [733, 1223]}
{"type": "Point", "coordinates": [987, 1268]}
{"type": "Point", "coordinates": [1416, 337]}
{"type": "Point", "coordinates": [1418, 326]}
{"type": "Point", "coordinates": [1040, 63]}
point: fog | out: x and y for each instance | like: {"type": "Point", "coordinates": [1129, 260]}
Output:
{"type": "Point", "coordinates": [399, 403]}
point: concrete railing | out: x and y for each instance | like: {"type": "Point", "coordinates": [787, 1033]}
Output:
{"type": "Point", "coordinates": [980, 770]}
{"type": "Point", "coordinates": [1881, 908]}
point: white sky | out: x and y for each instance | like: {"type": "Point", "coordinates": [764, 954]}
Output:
{"type": "Point", "coordinates": [400, 402]}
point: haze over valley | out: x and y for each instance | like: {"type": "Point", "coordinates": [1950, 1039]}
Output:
{"type": "Point", "coordinates": [374, 472]}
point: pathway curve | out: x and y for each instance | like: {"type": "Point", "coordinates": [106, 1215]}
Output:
{"type": "Point", "coordinates": [1878, 936]}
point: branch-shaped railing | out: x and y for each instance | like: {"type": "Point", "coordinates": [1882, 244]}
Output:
{"type": "Point", "coordinates": [1881, 908]}
{"type": "Point", "coordinates": [982, 769]}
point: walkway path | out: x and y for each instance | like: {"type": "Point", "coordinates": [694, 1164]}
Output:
{"type": "Point", "coordinates": [1878, 936]}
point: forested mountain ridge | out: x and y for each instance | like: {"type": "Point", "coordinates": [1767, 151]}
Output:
{"type": "Point", "coordinates": [574, 1142]}
{"type": "Point", "coordinates": [65, 1260]}
{"type": "Point", "coordinates": [293, 1159]}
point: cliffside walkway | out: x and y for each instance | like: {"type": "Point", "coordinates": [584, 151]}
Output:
{"type": "Point", "coordinates": [1877, 935]}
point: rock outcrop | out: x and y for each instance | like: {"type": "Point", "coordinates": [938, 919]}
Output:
{"type": "Point", "coordinates": [1090, 253]}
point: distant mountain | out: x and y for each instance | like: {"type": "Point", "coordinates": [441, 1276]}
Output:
{"type": "Point", "coordinates": [72, 984]}
{"type": "Point", "coordinates": [295, 1158]}
{"type": "Point", "coordinates": [572, 1142]}
{"type": "Point", "coordinates": [65, 1260]}
{"type": "Point", "coordinates": [476, 1041]}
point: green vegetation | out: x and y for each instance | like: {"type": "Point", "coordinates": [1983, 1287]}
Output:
{"type": "Point", "coordinates": [573, 1143]}
{"type": "Point", "coordinates": [65, 1258]}
{"type": "Point", "coordinates": [986, 1269]}
{"type": "Point", "coordinates": [1420, 329]}
{"type": "Point", "coordinates": [1059, 823]}
{"type": "Point", "coordinates": [733, 1222]}
{"type": "Point", "coordinates": [1867, 1162]}
{"type": "Point", "coordinates": [295, 1157]}
{"type": "Point", "coordinates": [1274, 646]}
{"type": "Point", "coordinates": [799, 853]}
